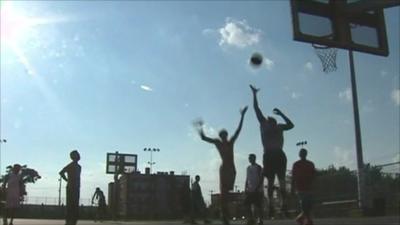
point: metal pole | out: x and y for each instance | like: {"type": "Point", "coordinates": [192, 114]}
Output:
{"type": "Point", "coordinates": [151, 160]}
{"type": "Point", "coordinates": [59, 191]}
{"type": "Point", "coordinates": [360, 161]}
{"type": "Point", "coordinates": [1, 141]}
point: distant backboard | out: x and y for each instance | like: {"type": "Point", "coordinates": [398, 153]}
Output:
{"type": "Point", "coordinates": [121, 163]}
{"type": "Point", "coordinates": [357, 25]}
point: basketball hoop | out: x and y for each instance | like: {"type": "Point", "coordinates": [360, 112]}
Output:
{"type": "Point", "coordinates": [327, 55]}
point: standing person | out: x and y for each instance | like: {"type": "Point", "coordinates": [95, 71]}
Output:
{"type": "Point", "coordinates": [303, 176]}
{"type": "Point", "coordinates": [73, 179]}
{"type": "Point", "coordinates": [227, 171]}
{"type": "Point", "coordinates": [101, 204]}
{"type": "Point", "coordinates": [14, 191]}
{"type": "Point", "coordinates": [254, 191]}
{"type": "Point", "coordinates": [274, 159]}
{"type": "Point", "coordinates": [198, 205]}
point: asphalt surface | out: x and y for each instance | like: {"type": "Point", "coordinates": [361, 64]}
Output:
{"type": "Point", "coordinates": [332, 221]}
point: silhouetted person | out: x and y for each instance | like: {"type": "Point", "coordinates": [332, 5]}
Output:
{"type": "Point", "coordinates": [199, 209]}
{"type": "Point", "coordinates": [254, 190]}
{"type": "Point", "coordinates": [73, 179]}
{"type": "Point", "coordinates": [101, 204]}
{"type": "Point", "coordinates": [274, 159]}
{"type": "Point", "coordinates": [303, 175]}
{"type": "Point", "coordinates": [14, 191]}
{"type": "Point", "coordinates": [227, 171]}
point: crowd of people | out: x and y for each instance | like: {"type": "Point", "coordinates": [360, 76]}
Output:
{"type": "Point", "coordinates": [274, 165]}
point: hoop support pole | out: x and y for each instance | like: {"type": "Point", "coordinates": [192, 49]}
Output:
{"type": "Point", "coordinates": [359, 151]}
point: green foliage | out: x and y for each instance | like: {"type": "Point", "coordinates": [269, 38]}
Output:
{"type": "Point", "coordinates": [335, 184]}
{"type": "Point", "coordinates": [28, 175]}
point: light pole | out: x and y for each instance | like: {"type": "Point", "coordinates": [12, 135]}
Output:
{"type": "Point", "coordinates": [301, 143]}
{"type": "Point", "coordinates": [151, 150]}
{"type": "Point", "coordinates": [59, 191]}
{"type": "Point", "coordinates": [1, 141]}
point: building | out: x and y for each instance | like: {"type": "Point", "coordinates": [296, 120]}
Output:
{"type": "Point", "coordinates": [154, 196]}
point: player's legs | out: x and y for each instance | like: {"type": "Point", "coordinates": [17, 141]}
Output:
{"type": "Point", "coordinates": [281, 173]}
{"type": "Point", "coordinates": [259, 205]}
{"type": "Point", "coordinates": [268, 170]}
{"type": "Point", "coordinates": [227, 179]}
{"type": "Point", "coordinates": [248, 203]}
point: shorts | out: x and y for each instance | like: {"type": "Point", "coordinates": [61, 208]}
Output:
{"type": "Point", "coordinates": [227, 175]}
{"type": "Point", "coordinates": [274, 162]}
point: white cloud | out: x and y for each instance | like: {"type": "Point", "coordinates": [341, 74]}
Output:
{"type": "Point", "coordinates": [146, 88]}
{"type": "Point", "coordinates": [295, 95]}
{"type": "Point", "coordinates": [269, 63]}
{"type": "Point", "coordinates": [346, 95]}
{"type": "Point", "coordinates": [208, 32]}
{"type": "Point", "coordinates": [308, 66]}
{"type": "Point", "coordinates": [343, 157]}
{"type": "Point", "coordinates": [238, 33]}
{"type": "Point", "coordinates": [396, 96]}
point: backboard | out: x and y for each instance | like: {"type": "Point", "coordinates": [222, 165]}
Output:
{"type": "Point", "coordinates": [357, 25]}
{"type": "Point", "coordinates": [121, 163]}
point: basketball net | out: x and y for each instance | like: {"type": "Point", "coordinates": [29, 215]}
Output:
{"type": "Point", "coordinates": [327, 55]}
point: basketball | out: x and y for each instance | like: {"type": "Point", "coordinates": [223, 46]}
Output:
{"type": "Point", "coordinates": [256, 59]}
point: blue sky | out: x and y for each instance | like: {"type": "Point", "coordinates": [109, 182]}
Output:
{"type": "Point", "coordinates": [106, 76]}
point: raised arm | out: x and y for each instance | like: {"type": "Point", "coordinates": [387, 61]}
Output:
{"type": "Point", "coordinates": [289, 125]}
{"type": "Point", "coordinates": [205, 138]}
{"type": "Point", "coordinates": [236, 134]}
{"type": "Point", "coordinates": [257, 109]}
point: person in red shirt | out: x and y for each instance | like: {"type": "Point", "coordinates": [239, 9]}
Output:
{"type": "Point", "coordinates": [303, 175]}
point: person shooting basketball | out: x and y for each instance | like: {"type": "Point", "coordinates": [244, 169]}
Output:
{"type": "Point", "coordinates": [274, 159]}
{"type": "Point", "coordinates": [227, 171]}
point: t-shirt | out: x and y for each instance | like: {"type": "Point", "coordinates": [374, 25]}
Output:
{"type": "Point", "coordinates": [73, 171]}
{"type": "Point", "coordinates": [303, 175]}
{"type": "Point", "coordinates": [255, 179]}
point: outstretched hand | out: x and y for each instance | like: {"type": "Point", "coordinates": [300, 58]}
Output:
{"type": "Point", "coordinates": [254, 89]}
{"type": "Point", "coordinates": [243, 110]}
{"type": "Point", "coordinates": [277, 111]}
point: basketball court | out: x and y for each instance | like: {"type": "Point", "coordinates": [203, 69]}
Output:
{"type": "Point", "coordinates": [340, 221]}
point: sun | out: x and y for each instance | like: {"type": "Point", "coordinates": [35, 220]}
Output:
{"type": "Point", "coordinates": [16, 28]}
{"type": "Point", "coordinates": [14, 24]}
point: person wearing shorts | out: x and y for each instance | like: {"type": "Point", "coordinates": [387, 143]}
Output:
{"type": "Point", "coordinates": [274, 158]}
{"type": "Point", "coordinates": [227, 171]}
{"type": "Point", "coordinates": [303, 176]}
{"type": "Point", "coordinates": [254, 191]}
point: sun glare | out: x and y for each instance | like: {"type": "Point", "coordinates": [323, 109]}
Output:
{"type": "Point", "coordinates": [14, 25]}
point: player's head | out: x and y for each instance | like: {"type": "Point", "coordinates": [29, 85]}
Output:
{"type": "Point", "coordinates": [197, 178]}
{"type": "Point", "coordinates": [16, 168]}
{"type": "Point", "coordinates": [252, 158]}
{"type": "Point", "coordinates": [303, 153]}
{"type": "Point", "coordinates": [74, 155]}
{"type": "Point", "coordinates": [97, 189]}
{"type": "Point", "coordinates": [223, 134]}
